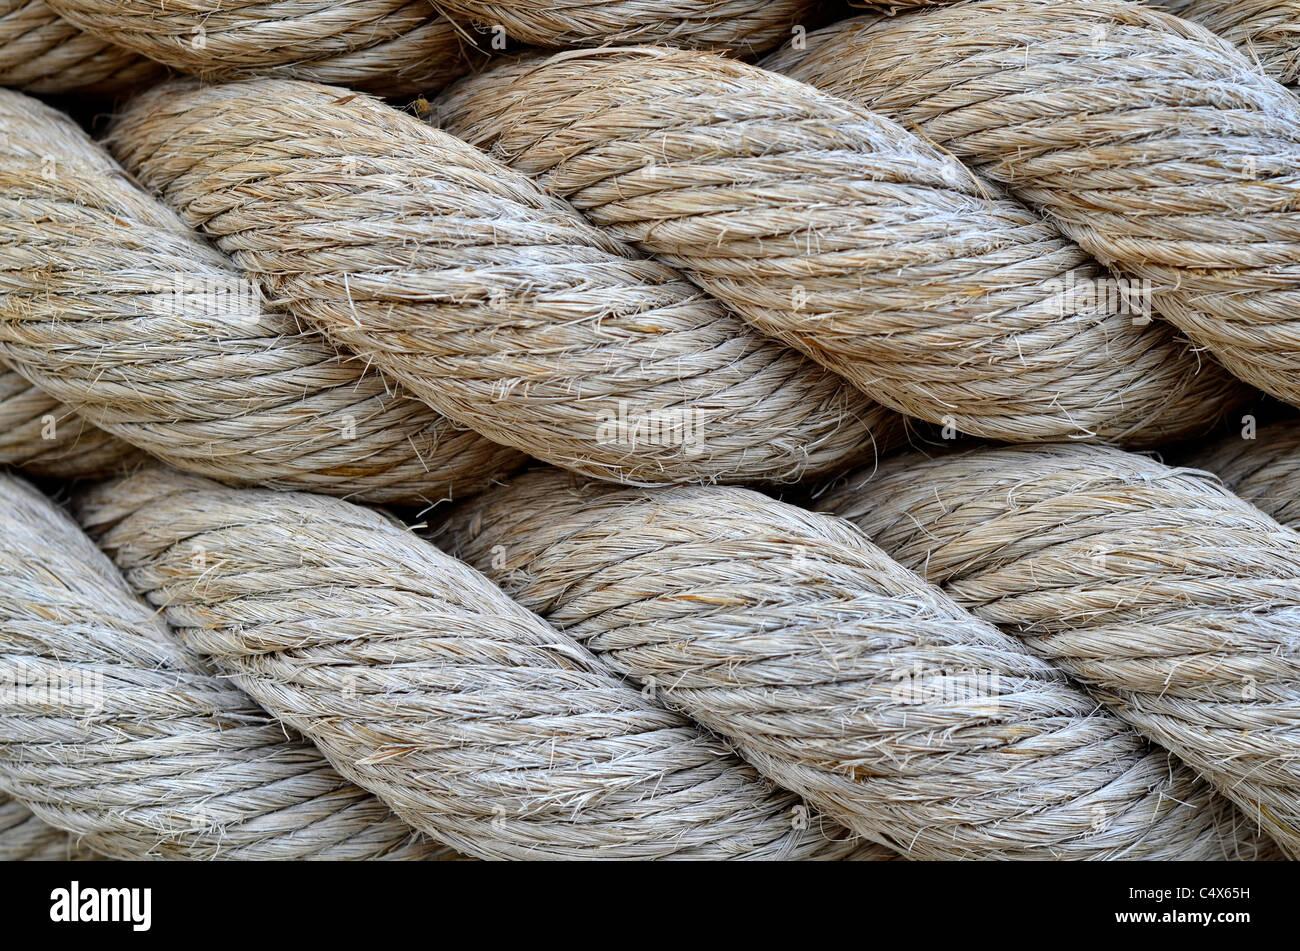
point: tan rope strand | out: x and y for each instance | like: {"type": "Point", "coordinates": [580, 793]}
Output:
{"type": "Point", "coordinates": [420, 680]}
{"type": "Point", "coordinates": [497, 305]}
{"type": "Point", "coordinates": [1267, 31]}
{"type": "Point", "coordinates": [112, 305]}
{"type": "Point", "coordinates": [389, 47]}
{"type": "Point", "coordinates": [846, 237]}
{"type": "Point", "coordinates": [24, 838]}
{"type": "Point", "coordinates": [114, 732]}
{"type": "Point", "coordinates": [839, 674]}
{"type": "Point", "coordinates": [1153, 143]}
{"type": "Point", "coordinates": [43, 53]}
{"type": "Point", "coordinates": [1263, 468]}
{"type": "Point", "coordinates": [1175, 601]}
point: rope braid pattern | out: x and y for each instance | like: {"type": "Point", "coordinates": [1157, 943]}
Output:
{"type": "Point", "coordinates": [498, 306]}
{"type": "Point", "coordinates": [1264, 470]}
{"type": "Point", "coordinates": [1169, 596]}
{"type": "Point", "coordinates": [43, 53]}
{"type": "Point", "coordinates": [1157, 146]}
{"type": "Point", "coordinates": [846, 237]}
{"type": "Point", "coordinates": [24, 838]}
{"type": "Point", "coordinates": [1268, 31]}
{"type": "Point", "coordinates": [743, 26]}
{"type": "Point", "coordinates": [111, 304]}
{"type": "Point", "coordinates": [389, 47]}
{"type": "Point", "coordinates": [788, 631]}
{"type": "Point", "coordinates": [116, 733]}
{"type": "Point", "coordinates": [421, 681]}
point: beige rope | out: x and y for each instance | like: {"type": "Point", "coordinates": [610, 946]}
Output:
{"type": "Point", "coordinates": [839, 674]}
{"type": "Point", "coordinates": [24, 838]}
{"type": "Point", "coordinates": [386, 46]}
{"type": "Point", "coordinates": [109, 303]}
{"type": "Point", "coordinates": [743, 26]}
{"type": "Point", "coordinates": [846, 237]}
{"type": "Point", "coordinates": [111, 730]}
{"type": "Point", "coordinates": [1157, 146]}
{"type": "Point", "coordinates": [1174, 600]}
{"type": "Point", "coordinates": [45, 438]}
{"type": "Point", "coordinates": [1267, 31]}
{"type": "Point", "coordinates": [474, 719]}
{"type": "Point", "coordinates": [1264, 469]}
{"type": "Point", "coordinates": [43, 53]}
{"type": "Point", "coordinates": [497, 305]}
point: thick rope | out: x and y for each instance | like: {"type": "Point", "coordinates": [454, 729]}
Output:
{"type": "Point", "coordinates": [1174, 600]}
{"type": "Point", "coordinates": [839, 674]}
{"type": "Point", "coordinates": [1156, 145]}
{"type": "Point", "coordinates": [421, 681]}
{"type": "Point", "coordinates": [1263, 469]}
{"type": "Point", "coordinates": [741, 26]}
{"type": "Point", "coordinates": [43, 53]}
{"type": "Point", "coordinates": [111, 304]}
{"type": "Point", "coordinates": [846, 237]}
{"type": "Point", "coordinates": [1267, 31]}
{"type": "Point", "coordinates": [44, 438]}
{"type": "Point", "coordinates": [24, 838]}
{"type": "Point", "coordinates": [389, 47]}
{"type": "Point", "coordinates": [109, 729]}
{"type": "Point", "coordinates": [497, 305]}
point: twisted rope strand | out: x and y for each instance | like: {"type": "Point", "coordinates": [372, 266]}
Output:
{"type": "Point", "coordinates": [109, 729]}
{"type": "Point", "coordinates": [474, 719]}
{"type": "Point", "coordinates": [1175, 601]}
{"type": "Point", "coordinates": [1267, 31]}
{"type": "Point", "coordinates": [109, 303]}
{"type": "Point", "coordinates": [498, 306]}
{"type": "Point", "coordinates": [1158, 147]}
{"type": "Point", "coordinates": [846, 237]}
{"type": "Point", "coordinates": [1263, 469]}
{"type": "Point", "coordinates": [43, 53]}
{"type": "Point", "coordinates": [839, 674]}
{"type": "Point", "coordinates": [24, 838]}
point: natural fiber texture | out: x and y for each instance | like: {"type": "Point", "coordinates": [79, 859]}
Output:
{"type": "Point", "coordinates": [498, 306]}
{"type": "Point", "coordinates": [113, 305]}
{"type": "Point", "coordinates": [1156, 145]}
{"type": "Point", "coordinates": [1177, 602]}
{"type": "Point", "coordinates": [846, 237]}
{"type": "Point", "coordinates": [474, 719]}
{"type": "Point", "coordinates": [43, 53]}
{"type": "Point", "coordinates": [791, 633]}
{"type": "Point", "coordinates": [389, 47]}
{"type": "Point", "coordinates": [24, 838]}
{"type": "Point", "coordinates": [1267, 31]}
{"type": "Point", "coordinates": [113, 731]}
{"type": "Point", "coordinates": [742, 26]}
{"type": "Point", "coordinates": [1264, 469]}
{"type": "Point", "coordinates": [73, 450]}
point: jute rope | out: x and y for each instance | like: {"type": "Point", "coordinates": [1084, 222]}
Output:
{"type": "Point", "coordinates": [497, 305]}
{"type": "Point", "coordinates": [43, 53]}
{"type": "Point", "coordinates": [1268, 31]}
{"type": "Point", "coordinates": [111, 304]}
{"type": "Point", "coordinates": [389, 47]}
{"type": "Point", "coordinates": [742, 26]}
{"type": "Point", "coordinates": [24, 838]}
{"type": "Point", "coordinates": [1156, 145]}
{"type": "Point", "coordinates": [1263, 469]}
{"type": "Point", "coordinates": [420, 680]}
{"type": "Point", "coordinates": [111, 730]}
{"type": "Point", "coordinates": [44, 438]}
{"type": "Point", "coordinates": [1175, 601]}
{"type": "Point", "coordinates": [839, 674]}
{"type": "Point", "coordinates": [846, 237]}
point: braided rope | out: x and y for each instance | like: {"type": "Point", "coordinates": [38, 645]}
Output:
{"type": "Point", "coordinates": [43, 53]}
{"type": "Point", "coordinates": [1177, 602]}
{"type": "Point", "coordinates": [846, 237]}
{"type": "Point", "coordinates": [475, 720]}
{"type": "Point", "coordinates": [1154, 144]}
{"type": "Point", "coordinates": [1268, 31]}
{"type": "Point", "coordinates": [110, 304]}
{"type": "Point", "coordinates": [113, 732]}
{"type": "Point", "coordinates": [744, 26]}
{"type": "Point", "coordinates": [496, 305]}
{"type": "Point", "coordinates": [385, 46]}
{"type": "Point", "coordinates": [839, 674]}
